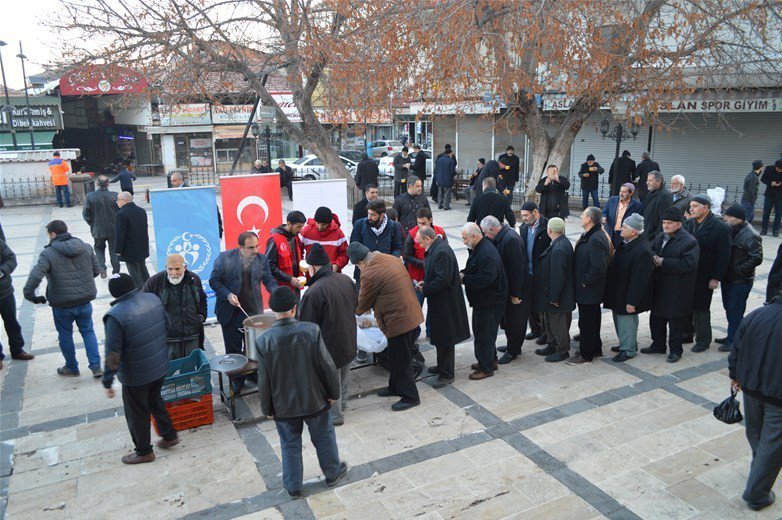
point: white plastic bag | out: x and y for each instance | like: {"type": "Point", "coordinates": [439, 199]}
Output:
{"type": "Point", "coordinates": [717, 196]}
{"type": "Point", "coordinates": [370, 337]}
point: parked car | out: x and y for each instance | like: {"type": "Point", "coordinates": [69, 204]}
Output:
{"type": "Point", "coordinates": [386, 165]}
{"type": "Point", "coordinates": [384, 148]}
{"type": "Point", "coordinates": [353, 155]}
{"type": "Point", "coordinates": [311, 168]}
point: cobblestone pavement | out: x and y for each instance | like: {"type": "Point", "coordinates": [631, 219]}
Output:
{"type": "Point", "coordinates": [633, 440]}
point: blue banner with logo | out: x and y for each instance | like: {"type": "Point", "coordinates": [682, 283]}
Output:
{"type": "Point", "coordinates": [185, 222]}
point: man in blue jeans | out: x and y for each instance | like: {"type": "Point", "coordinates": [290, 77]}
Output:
{"type": "Point", "coordinates": [745, 255]}
{"type": "Point", "coordinates": [297, 383]}
{"type": "Point", "coordinates": [70, 268]}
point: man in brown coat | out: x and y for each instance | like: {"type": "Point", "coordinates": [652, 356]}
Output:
{"type": "Point", "coordinates": [386, 288]}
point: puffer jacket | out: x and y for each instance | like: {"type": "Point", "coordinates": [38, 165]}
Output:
{"type": "Point", "coordinates": [745, 255]}
{"type": "Point", "coordinates": [185, 304]}
{"type": "Point", "coordinates": [100, 212]}
{"type": "Point", "coordinates": [70, 268]}
{"type": "Point", "coordinates": [296, 375]}
{"type": "Point", "coordinates": [136, 347]}
{"type": "Point", "coordinates": [7, 266]}
{"type": "Point", "coordinates": [333, 240]}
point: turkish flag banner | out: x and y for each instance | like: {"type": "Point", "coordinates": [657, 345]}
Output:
{"type": "Point", "coordinates": [250, 203]}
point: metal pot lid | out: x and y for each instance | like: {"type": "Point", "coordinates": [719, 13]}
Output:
{"type": "Point", "coordinates": [228, 363]}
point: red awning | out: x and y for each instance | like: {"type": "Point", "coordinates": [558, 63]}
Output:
{"type": "Point", "coordinates": [97, 80]}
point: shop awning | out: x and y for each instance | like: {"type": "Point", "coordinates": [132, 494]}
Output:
{"type": "Point", "coordinates": [43, 140]}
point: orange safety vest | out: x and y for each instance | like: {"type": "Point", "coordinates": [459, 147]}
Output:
{"type": "Point", "coordinates": [59, 170]}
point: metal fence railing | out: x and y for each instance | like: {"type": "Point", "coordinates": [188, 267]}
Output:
{"type": "Point", "coordinates": [30, 188]}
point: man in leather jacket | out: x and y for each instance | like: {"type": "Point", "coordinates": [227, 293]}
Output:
{"type": "Point", "coordinates": [746, 254]}
{"type": "Point", "coordinates": [297, 383]}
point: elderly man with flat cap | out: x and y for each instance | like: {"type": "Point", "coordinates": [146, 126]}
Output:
{"type": "Point", "coordinates": [184, 299]}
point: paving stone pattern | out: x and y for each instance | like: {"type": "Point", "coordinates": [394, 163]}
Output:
{"type": "Point", "coordinates": [600, 440]}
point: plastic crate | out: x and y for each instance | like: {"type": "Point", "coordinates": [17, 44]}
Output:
{"type": "Point", "coordinates": [187, 377]}
{"type": "Point", "coordinates": [189, 413]}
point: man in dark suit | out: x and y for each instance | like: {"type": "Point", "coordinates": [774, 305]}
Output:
{"type": "Point", "coordinates": [491, 202]}
{"type": "Point", "coordinates": [536, 240]}
{"type": "Point", "coordinates": [443, 290]}
{"type": "Point", "coordinates": [366, 173]}
{"type": "Point", "coordinates": [132, 238]}
{"type": "Point", "coordinates": [658, 199]}
{"type": "Point", "coordinates": [509, 172]}
{"type": "Point", "coordinates": [622, 171]}
{"type": "Point", "coordinates": [589, 174]}
{"type": "Point", "coordinates": [419, 163]}
{"type": "Point", "coordinates": [360, 209]}
{"type": "Point", "coordinates": [641, 174]}
{"type": "Point", "coordinates": [617, 209]}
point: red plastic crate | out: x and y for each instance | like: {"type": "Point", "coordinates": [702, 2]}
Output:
{"type": "Point", "coordinates": [190, 413]}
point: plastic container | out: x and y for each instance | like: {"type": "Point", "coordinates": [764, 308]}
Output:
{"type": "Point", "coordinates": [187, 377]}
{"type": "Point", "coordinates": [190, 413]}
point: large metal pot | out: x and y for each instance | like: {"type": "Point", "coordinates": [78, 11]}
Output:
{"type": "Point", "coordinates": [253, 327]}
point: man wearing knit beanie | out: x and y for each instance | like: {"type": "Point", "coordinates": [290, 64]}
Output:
{"type": "Point", "coordinates": [714, 237]}
{"type": "Point", "coordinates": [137, 353]}
{"type": "Point", "coordinates": [746, 254]}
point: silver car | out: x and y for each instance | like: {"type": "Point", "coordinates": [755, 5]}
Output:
{"type": "Point", "coordinates": [311, 168]}
{"type": "Point", "coordinates": [384, 148]}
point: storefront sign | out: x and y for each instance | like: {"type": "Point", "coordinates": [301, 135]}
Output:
{"type": "Point", "coordinates": [182, 115]}
{"type": "Point", "coordinates": [44, 117]}
{"type": "Point", "coordinates": [723, 105]}
{"type": "Point", "coordinates": [231, 114]}
{"type": "Point", "coordinates": [288, 107]}
{"type": "Point", "coordinates": [97, 80]}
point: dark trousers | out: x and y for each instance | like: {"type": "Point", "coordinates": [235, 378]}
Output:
{"type": "Point", "coordinates": [401, 380]}
{"type": "Point", "coordinates": [514, 321]}
{"type": "Point", "coordinates": [232, 335]}
{"type": "Point", "coordinates": [509, 196]}
{"type": "Point", "coordinates": [585, 198]}
{"type": "Point", "coordinates": [399, 188]}
{"type": "Point", "coordinates": [536, 323]}
{"type": "Point", "coordinates": [590, 344]}
{"type": "Point", "coordinates": [698, 326]}
{"type": "Point", "coordinates": [445, 360]}
{"type": "Point", "coordinates": [11, 324]}
{"type": "Point", "coordinates": [138, 272]}
{"type": "Point", "coordinates": [675, 326]}
{"type": "Point", "coordinates": [770, 204]}
{"type": "Point", "coordinates": [485, 323]}
{"type": "Point", "coordinates": [141, 401]}
{"type": "Point", "coordinates": [100, 253]}
{"type": "Point", "coordinates": [433, 190]}
{"type": "Point", "coordinates": [289, 186]}
{"type": "Point", "coordinates": [750, 209]}
{"type": "Point", "coordinates": [558, 330]}
{"type": "Point", "coordinates": [63, 192]}
{"type": "Point", "coordinates": [734, 300]}
{"type": "Point", "coordinates": [764, 432]}
{"type": "Point", "coordinates": [323, 438]}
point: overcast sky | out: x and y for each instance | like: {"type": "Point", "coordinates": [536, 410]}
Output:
{"type": "Point", "coordinates": [20, 20]}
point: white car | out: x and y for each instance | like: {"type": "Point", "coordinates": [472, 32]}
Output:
{"type": "Point", "coordinates": [311, 168]}
{"type": "Point", "coordinates": [384, 148]}
{"type": "Point", "coordinates": [386, 164]}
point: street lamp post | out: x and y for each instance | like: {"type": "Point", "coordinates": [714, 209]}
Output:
{"type": "Point", "coordinates": [8, 108]}
{"type": "Point", "coordinates": [22, 57]}
{"type": "Point", "coordinates": [618, 134]}
{"type": "Point", "coordinates": [267, 134]}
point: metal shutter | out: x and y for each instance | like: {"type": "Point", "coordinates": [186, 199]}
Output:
{"type": "Point", "coordinates": [474, 141]}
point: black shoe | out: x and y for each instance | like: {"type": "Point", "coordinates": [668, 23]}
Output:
{"type": "Point", "coordinates": [556, 357]}
{"type": "Point", "coordinates": [621, 357]}
{"type": "Point", "coordinates": [688, 339]}
{"type": "Point", "coordinates": [502, 348]}
{"type": "Point", "coordinates": [507, 358]}
{"type": "Point", "coordinates": [578, 359]}
{"type": "Point", "coordinates": [651, 350]}
{"type": "Point", "coordinates": [401, 406]}
{"type": "Point", "coordinates": [383, 392]}
{"type": "Point", "coordinates": [616, 349]}
{"type": "Point", "coordinates": [542, 340]}
{"type": "Point", "coordinates": [442, 382]}
{"type": "Point", "coordinates": [763, 232]}
{"type": "Point", "coordinates": [673, 358]}
{"type": "Point", "coordinates": [577, 337]}
{"type": "Point", "coordinates": [545, 351]}
{"type": "Point", "coordinates": [700, 348]}
{"type": "Point", "coordinates": [343, 470]}
{"type": "Point", "coordinates": [724, 348]}
{"type": "Point", "coordinates": [433, 370]}
{"type": "Point", "coordinates": [722, 341]}
{"type": "Point", "coordinates": [531, 335]}
{"type": "Point", "coordinates": [757, 507]}
{"type": "Point", "coordinates": [294, 494]}
{"type": "Point", "coordinates": [775, 233]}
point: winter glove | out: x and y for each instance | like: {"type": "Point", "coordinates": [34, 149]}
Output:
{"type": "Point", "coordinates": [38, 299]}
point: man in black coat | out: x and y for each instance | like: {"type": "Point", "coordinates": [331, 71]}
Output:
{"type": "Point", "coordinates": [360, 209]}
{"type": "Point", "coordinates": [589, 174]}
{"type": "Point", "coordinates": [622, 170]}
{"type": "Point", "coordinates": [100, 212]}
{"type": "Point", "coordinates": [628, 290]}
{"type": "Point", "coordinates": [772, 178]}
{"type": "Point", "coordinates": [366, 173]}
{"type": "Point", "coordinates": [447, 317]}
{"type": "Point", "coordinates": [484, 280]}
{"type": "Point", "coordinates": [408, 203]}
{"type": "Point", "coordinates": [509, 172]}
{"type": "Point", "coordinates": [433, 190]}
{"type": "Point", "coordinates": [286, 177]}
{"type": "Point", "coordinates": [419, 163]}
{"type": "Point", "coordinates": [749, 194]}
{"type": "Point", "coordinates": [774, 283]}
{"type": "Point", "coordinates": [714, 237]}
{"type": "Point", "coordinates": [490, 169]}
{"type": "Point", "coordinates": [132, 238]}
{"type": "Point", "coordinates": [510, 246]}
{"type": "Point", "coordinates": [330, 302]}
{"type": "Point", "coordinates": [676, 263]}
{"type": "Point", "coordinates": [591, 259]}
{"type": "Point", "coordinates": [658, 199]}
{"type": "Point", "coordinates": [642, 173]}
{"type": "Point", "coordinates": [491, 202]}
{"type": "Point", "coordinates": [554, 292]}
{"type": "Point", "coordinates": [8, 306]}
{"type": "Point", "coordinates": [553, 193]}
{"type": "Point", "coordinates": [754, 366]}
{"type": "Point", "coordinates": [533, 232]}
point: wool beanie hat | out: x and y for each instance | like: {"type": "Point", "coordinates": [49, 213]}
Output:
{"type": "Point", "coordinates": [590, 157]}
{"type": "Point", "coordinates": [317, 255]}
{"type": "Point", "coordinates": [357, 252]}
{"type": "Point", "coordinates": [635, 221]}
{"type": "Point", "coordinates": [282, 299]}
{"type": "Point", "coordinates": [557, 225]}
{"type": "Point", "coordinates": [702, 198]}
{"type": "Point", "coordinates": [673, 214]}
{"type": "Point", "coordinates": [120, 285]}
{"type": "Point", "coordinates": [736, 211]}
{"type": "Point", "coordinates": [323, 215]}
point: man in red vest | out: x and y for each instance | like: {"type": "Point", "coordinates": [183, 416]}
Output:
{"type": "Point", "coordinates": [413, 253]}
{"type": "Point", "coordinates": [284, 251]}
{"type": "Point", "coordinates": [325, 230]}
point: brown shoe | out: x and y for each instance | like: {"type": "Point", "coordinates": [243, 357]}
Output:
{"type": "Point", "coordinates": [478, 375]}
{"type": "Point", "coordinates": [476, 366]}
{"type": "Point", "coordinates": [134, 458]}
{"type": "Point", "coordinates": [166, 444]}
{"type": "Point", "coordinates": [23, 356]}
{"type": "Point", "coordinates": [1, 364]}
